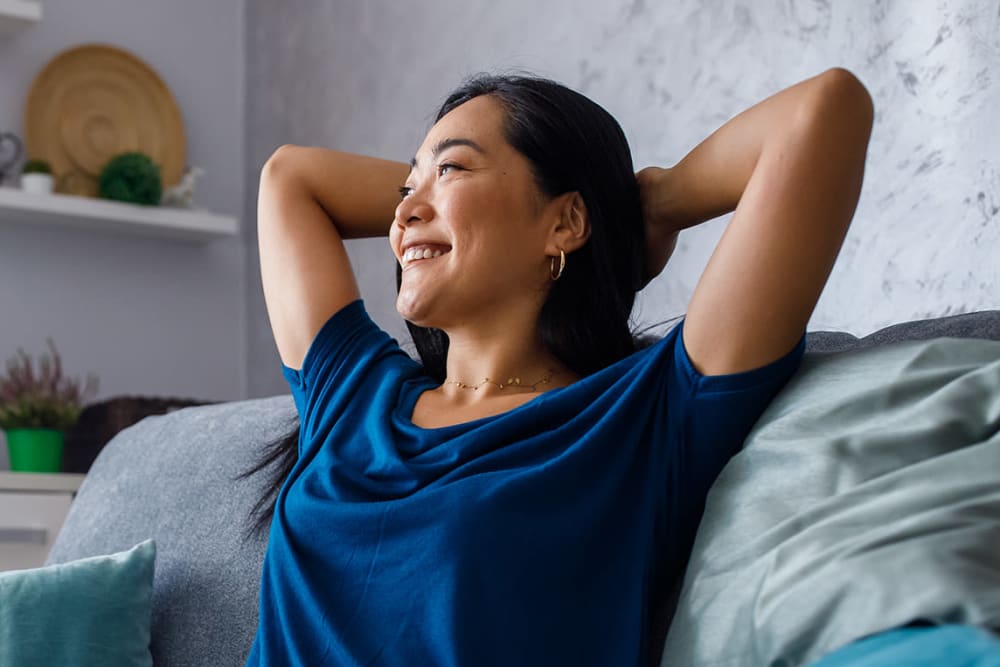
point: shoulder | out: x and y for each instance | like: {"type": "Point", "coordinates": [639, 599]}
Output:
{"type": "Point", "coordinates": [349, 343]}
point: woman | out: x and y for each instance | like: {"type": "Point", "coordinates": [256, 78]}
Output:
{"type": "Point", "coordinates": [528, 494]}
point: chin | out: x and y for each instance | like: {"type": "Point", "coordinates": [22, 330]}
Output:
{"type": "Point", "coordinates": [413, 309]}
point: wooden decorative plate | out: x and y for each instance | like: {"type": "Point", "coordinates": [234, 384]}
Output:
{"type": "Point", "coordinates": [94, 101]}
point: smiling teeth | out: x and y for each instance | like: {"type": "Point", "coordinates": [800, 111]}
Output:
{"type": "Point", "coordinates": [420, 253]}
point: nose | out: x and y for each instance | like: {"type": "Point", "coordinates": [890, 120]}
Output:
{"type": "Point", "coordinates": [413, 209]}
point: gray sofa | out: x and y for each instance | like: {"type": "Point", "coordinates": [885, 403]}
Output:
{"type": "Point", "coordinates": [171, 477]}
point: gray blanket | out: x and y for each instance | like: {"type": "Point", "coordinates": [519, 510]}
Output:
{"type": "Point", "coordinates": [867, 496]}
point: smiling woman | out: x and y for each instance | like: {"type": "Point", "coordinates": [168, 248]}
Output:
{"type": "Point", "coordinates": [528, 492]}
{"type": "Point", "coordinates": [520, 176]}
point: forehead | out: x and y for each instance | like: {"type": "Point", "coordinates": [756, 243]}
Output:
{"type": "Point", "coordinates": [480, 119]}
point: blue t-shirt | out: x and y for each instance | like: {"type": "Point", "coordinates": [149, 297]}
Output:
{"type": "Point", "coordinates": [533, 537]}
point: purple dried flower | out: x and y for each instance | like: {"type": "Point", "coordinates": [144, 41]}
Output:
{"type": "Point", "coordinates": [29, 376]}
{"type": "Point", "coordinates": [46, 400]}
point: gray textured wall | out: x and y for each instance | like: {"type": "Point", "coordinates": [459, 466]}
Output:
{"type": "Point", "coordinates": [366, 77]}
{"type": "Point", "coordinates": [150, 317]}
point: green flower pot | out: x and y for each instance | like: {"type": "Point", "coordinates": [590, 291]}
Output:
{"type": "Point", "coordinates": [35, 449]}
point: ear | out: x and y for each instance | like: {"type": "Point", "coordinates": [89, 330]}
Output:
{"type": "Point", "coordinates": [571, 228]}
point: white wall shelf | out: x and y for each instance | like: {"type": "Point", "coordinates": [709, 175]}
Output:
{"type": "Point", "coordinates": [105, 216]}
{"type": "Point", "coordinates": [16, 15]}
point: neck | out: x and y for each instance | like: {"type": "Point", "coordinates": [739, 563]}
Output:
{"type": "Point", "coordinates": [500, 353]}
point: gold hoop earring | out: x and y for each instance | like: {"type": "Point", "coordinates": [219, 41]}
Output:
{"type": "Point", "coordinates": [552, 265]}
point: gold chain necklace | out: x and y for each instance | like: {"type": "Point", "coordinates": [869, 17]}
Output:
{"type": "Point", "coordinates": [511, 382]}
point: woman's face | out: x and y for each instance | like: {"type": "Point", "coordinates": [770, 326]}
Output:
{"type": "Point", "coordinates": [471, 206]}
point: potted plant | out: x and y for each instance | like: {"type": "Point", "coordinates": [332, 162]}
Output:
{"type": "Point", "coordinates": [36, 177]}
{"type": "Point", "coordinates": [36, 408]}
{"type": "Point", "coordinates": [131, 177]}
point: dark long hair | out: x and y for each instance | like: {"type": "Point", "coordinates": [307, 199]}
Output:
{"type": "Point", "coordinates": [573, 145]}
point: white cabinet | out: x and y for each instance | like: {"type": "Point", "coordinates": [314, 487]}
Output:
{"type": "Point", "coordinates": [33, 507]}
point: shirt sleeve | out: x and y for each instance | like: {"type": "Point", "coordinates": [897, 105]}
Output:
{"type": "Point", "coordinates": [709, 418]}
{"type": "Point", "coordinates": [717, 412]}
{"type": "Point", "coordinates": [339, 367]}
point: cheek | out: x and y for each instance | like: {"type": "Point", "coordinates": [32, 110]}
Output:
{"type": "Point", "coordinates": [494, 225]}
{"type": "Point", "coordinates": [494, 209]}
{"type": "Point", "coordinates": [394, 239]}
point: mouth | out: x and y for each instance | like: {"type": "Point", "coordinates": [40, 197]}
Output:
{"type": "Point", "coordinates": [421, 254]}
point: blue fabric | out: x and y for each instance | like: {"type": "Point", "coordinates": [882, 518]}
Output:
{"type": "Point", "coordinates": [90, 612]}
{"type": "Point", "coordinates": [540, 536]}
{"type": "Point", "coordinates": [952, 645]}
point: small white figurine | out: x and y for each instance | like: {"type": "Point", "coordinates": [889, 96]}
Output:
{"type": "Point", "coordinates": [182, 194]}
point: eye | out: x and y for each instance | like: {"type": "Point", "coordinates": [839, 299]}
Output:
{"type": "Point", "coordinates": [446, 165]}
{"type": "Point", "coordinates": [405, 190]}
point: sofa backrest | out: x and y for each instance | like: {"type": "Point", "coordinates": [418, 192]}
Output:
{"type": "Point", "coordinates": [979, 324]}
{"type": "Point", "coordinates": [170, 477]}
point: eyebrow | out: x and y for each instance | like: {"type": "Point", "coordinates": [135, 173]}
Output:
{"type": "Point", "coordinates": [445, 144]}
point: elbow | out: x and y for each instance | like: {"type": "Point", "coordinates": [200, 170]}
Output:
{"type": "Point", "coordinates": [840, 99]}
{"type": "Point", "coordinates": [850, 88]}
{"type": "Point", "coordinates": [847, 89]}
{"type": "Point", "coordinates": [278, 160]}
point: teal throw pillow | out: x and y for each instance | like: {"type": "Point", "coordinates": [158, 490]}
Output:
{"type": "Point", "coordinates": [92, 611]}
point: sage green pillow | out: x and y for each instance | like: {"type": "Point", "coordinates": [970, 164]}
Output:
{"type": "Point", "coordinates": [93, 611]}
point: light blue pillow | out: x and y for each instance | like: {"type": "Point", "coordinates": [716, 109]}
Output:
{"type": "Point", "coordinates": [92, 611]}
{"type": "Point", "coordinates": [865, 497]}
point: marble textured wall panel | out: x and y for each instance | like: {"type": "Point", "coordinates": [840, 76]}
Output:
{"type": "Point", "coordinates": [367, 76]}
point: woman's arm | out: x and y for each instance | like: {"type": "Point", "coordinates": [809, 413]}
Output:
{"type": "Point", "coordinates": [310, 199]}
{"type": "Point", "coordinates": [791, 167]}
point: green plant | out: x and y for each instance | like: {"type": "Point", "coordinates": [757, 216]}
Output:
{"type": "Point", "coordinates": [42, 400]}
{"type": "Point", "coordinates": [36, 167]}
{"type": "Point", "coordinates": [131, 177]}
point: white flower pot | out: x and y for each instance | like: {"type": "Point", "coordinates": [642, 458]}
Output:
{"type": "Point", "coordinates": [37, 183]}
